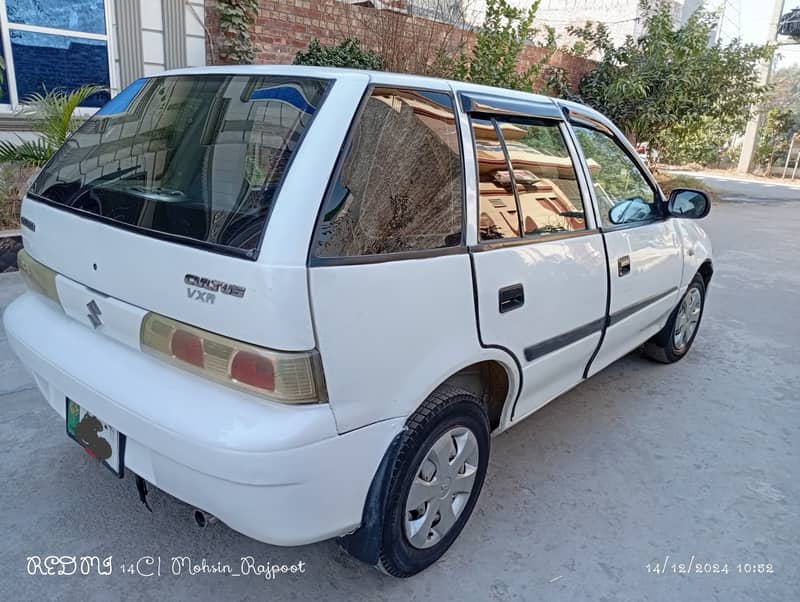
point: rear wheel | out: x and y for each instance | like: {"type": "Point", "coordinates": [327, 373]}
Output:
{"type": "Point", "coordinates": [435, 478]}
{"type": "Point", "coordinates": [677, 336]}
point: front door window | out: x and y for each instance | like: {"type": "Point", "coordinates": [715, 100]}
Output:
{"type": "Point", "coordinates": [623, 194]}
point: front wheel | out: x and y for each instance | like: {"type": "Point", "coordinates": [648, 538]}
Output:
{"type": "Point", "coordinates": [677, 336]}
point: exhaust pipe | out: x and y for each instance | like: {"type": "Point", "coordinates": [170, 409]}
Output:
{"type": "Point", "coordinates": [203, 519]}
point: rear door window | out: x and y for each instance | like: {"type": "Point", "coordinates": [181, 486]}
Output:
{"type": "Point", "coordinates": [399, 188]}
{"type": "Point", "coordinates": [196, 159]}
{"type": "Point", "coordinates": [527, 181]}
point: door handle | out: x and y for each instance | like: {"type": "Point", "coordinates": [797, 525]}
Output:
{"type": "Point", "coordinates": [511, 297]}
{"type": "Point", "coordinates": [624, 265]}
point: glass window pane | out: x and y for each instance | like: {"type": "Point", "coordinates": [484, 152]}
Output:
{"type": "Point", "coordinates": [623, 194]}
{"type": "Point", "coordinates": [498, 217]}
{"type": "Point", "coordinates": [4, 99]}
{"type": "Point", "coordinates": [547, 185]}
{"type": "Point", "coordinates": [197, 157]}
{"type": "Point", "coordinates": [400, 188]}
{"type": "Point", "coordinates": [76, 15]}
{"type": "Point", "coordinates": [44, 61]}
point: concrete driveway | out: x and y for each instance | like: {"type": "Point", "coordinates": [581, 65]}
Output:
{"type": "Point", "coordinates": [642, 465]}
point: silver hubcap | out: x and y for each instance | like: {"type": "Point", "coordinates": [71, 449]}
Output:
{"type": "Point", "coordinates": [688, 317]}
{"type": "Point", "coordinates": [442, 487]}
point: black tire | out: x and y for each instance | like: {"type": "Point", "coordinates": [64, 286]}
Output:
{"type": "Point", "coordinates": [447, 408]}
{"type": "Point", "coordinates": [661, 347]}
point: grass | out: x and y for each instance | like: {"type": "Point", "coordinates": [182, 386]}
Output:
{"type": "Point", "coordinates": [669, 181]}
{"type": "Point", "coordinates": [9, 214]}
{"type": "Point", "coordinates": [13, 180]}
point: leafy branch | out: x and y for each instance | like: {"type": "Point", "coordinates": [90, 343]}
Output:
{"type": "Point", "coordinates": [236, 21]}
{"type": "Point", "coordinates": [52, 117]}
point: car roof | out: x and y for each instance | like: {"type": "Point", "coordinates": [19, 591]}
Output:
{"type": "Point", "coordinates": [390, 79]}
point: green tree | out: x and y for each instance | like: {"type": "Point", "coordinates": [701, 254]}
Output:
{"type": "Point", "coordinates": [348, 53]}
{"type": "Point", "coordinates": [494, 59]}
{"type": "Point", "coordinates": [671, 84]}
{"type": "Point", "coordinates": [782, 108]}
{"type": "Point", "coordinates": [785, 93]}
{"type": "Point", "coordinates": [52, 117]}
{"type": "Point", "coordinates": [775, 137]}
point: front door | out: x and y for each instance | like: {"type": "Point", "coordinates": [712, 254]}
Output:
{"type": "Point", "coordinates": [644, 259]}
{"type": "Point", "coordinates": [539, 264]}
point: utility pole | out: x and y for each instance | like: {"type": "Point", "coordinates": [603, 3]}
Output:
{"type": "Point", "coordinates": [751, 133]}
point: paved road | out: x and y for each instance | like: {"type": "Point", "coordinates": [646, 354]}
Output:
{"type": "Point", "coordinates": [734, 188]}
{"type": "Point", "coordinates": [696, 460]}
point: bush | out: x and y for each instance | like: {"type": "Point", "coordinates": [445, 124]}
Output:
{"type": "Point", "coordinates": [494, 60]}
{"type": "Point", "coordinates": [52, 116]}
{"type": "Point", "coordinates": [348, 53]}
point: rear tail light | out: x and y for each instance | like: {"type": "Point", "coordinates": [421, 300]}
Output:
{"type": "Point", "coordinates": [286, 377]}
{"type": "Point", "coordinates": [253, 369]}
{"type": "Point", "coordinates": [187, 347]}
{"type": "Point", "coordinates": [38, 277]}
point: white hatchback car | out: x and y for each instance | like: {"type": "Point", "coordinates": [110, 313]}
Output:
{"type": "Point", "coordinates": [301, 299]}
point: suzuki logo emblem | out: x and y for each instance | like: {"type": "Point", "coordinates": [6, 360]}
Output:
{"type": "Point", "coordinates": [94, 314]}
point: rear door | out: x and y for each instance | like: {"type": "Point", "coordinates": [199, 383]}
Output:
{"type": "Point", "coordinates": [539, 264]}
{"type": "Point", "coordinates": [645, 262]}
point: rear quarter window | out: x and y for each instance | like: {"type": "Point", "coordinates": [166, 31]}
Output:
{"type": "Point", "coordinates": [400, 186]}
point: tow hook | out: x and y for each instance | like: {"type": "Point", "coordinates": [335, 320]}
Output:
{"type": "Point", "coordinates": [203, 519]}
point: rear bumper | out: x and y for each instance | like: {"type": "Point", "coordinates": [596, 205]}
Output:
{"type": "Point", "coordinates": [279, 474]}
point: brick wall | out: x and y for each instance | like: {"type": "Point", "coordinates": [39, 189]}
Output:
{"type": "Point", "coordinates": [407, 44]}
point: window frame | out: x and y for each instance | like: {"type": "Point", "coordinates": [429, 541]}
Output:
{"type": "Point", "coordinates": [6, 27]}
{"type": "Point", "coordinates": [658, 197]}
{"type": "Point", "coordinates": [313, 260]}
{"type": "Point", "coordinates": [577, 164]}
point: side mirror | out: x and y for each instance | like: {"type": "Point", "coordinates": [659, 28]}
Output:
{"type": "Point", "coordinates": [688, 203]}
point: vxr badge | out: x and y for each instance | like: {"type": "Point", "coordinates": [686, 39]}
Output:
{"type": "Point", "coordinates": [94, 314]}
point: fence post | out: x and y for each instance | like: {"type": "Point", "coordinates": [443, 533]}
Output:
{"type": "Point", "coordinates": [788, 156]}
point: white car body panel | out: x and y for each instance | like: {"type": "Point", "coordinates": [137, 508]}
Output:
{"type": "Point", "coordinates": [565, 288]}
{"type": "Point", "coordinates": [388, 332]}
{"type": "Point", "coordinates": [271, 471]}
{"type": "Point", "coordinates": [371, 320]}
{"type": "Point", "coordinates": [695, 247]}
{"type": "Point", "coordinates": [656, 265]}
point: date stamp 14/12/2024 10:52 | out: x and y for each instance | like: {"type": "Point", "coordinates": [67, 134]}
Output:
{"type": "Point", "coordinates": [696, 566]}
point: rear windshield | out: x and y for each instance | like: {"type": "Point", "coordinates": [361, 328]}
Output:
{"type": "Point", "coordinates": [197, 159]}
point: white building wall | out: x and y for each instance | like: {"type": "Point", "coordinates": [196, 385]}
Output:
{"type": "Point", "coordinates": [194, 13]}
{"type": "Point", "coordinates": [622, 17]}
{"type": "Point", "coordinates": [152, 36]}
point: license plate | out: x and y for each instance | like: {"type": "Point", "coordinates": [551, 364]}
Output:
{"type": "Point", "coordinates": [104, 443]}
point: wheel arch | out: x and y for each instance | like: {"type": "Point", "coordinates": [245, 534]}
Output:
{"type": "Point", "coordinates": [706, 270]}
{"type": "Point", "coordinates": [494, 376]}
